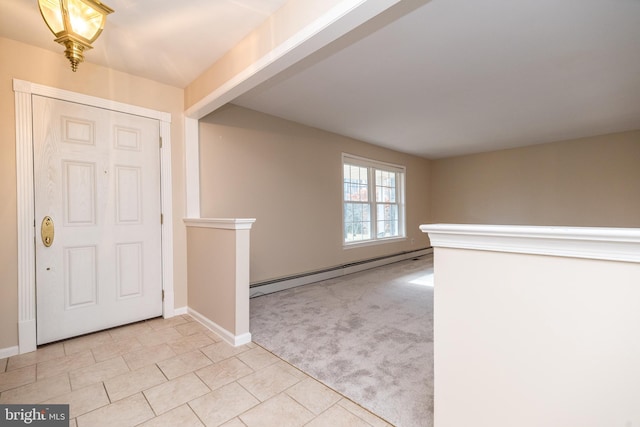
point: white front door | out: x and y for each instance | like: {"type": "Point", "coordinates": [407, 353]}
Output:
{"type": "Point", "coordinates": [97, 177]}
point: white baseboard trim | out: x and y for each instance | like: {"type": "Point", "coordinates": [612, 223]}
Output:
{"type": "Point", "coordinates": [180, 311]}
{"type": "Point", "coordinates": [9, 351]}
{"type": "Point", "coordinates": [330, 274]}
{"type": "Point", "coordinates": [234, 340]}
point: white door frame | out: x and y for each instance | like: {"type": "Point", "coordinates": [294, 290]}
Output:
{"type": "Point", "coordinates": [25, 198]}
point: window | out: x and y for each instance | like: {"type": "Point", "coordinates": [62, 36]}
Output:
{"type": "Point", "coordinates": [373, 200]}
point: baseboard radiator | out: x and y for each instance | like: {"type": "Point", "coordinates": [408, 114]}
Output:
{"type": "Point", "coordinates": [280, 284]}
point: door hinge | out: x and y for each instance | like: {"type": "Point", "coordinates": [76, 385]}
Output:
{"type": "Point", "coordinates": [161, 219]}
{"type": "Point", "coordinates": [160, 142]}
{"type": "Point", "coordinates": [163, 295]}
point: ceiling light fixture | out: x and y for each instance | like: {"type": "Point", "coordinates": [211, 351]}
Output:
{"type": "Point", "coordinates": [75, 23]}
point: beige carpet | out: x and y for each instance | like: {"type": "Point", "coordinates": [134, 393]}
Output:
{"type": "Point", "coordinates": [368, 335]}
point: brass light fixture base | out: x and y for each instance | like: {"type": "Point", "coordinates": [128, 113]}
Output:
{"type": "Point", "coordinates": [75, 23]}
{"type": "Point", "coordinates": [74, 51]}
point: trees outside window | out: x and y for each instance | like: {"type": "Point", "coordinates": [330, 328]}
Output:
{"type": "Point", "coordinates": [373, 200]}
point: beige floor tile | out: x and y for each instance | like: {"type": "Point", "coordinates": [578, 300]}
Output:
{"type": "Point", "coordinates": [337, 416]}
{"type": "Point", "coordinates": [215, 337]}
{"type": "Point", "coordinates": [83, 400]}
{"type": "Point", "coordinates": [132, 330]}
{"type": "Point", "coordinates": [313, 395]}
{"type": "Point", "coordinates": [258, 358]}
{"type": "Point", "coordinates": [42, 354]}
{"type": "Point", "coordinates": [73, 423]}
{"type": "Point", "coordinates": [134, 382]}
{"type": "Point", "coordinates": [3, 364]}
{"type": "Point", "coordinates": [234, 423]}
{"type": "Point", "coordinates": [221, 350]}
{"type": "Point", "coordinates": [17, 377]}
{"type": "Point", "coordinates": [182, 416]}
{"type": "Point", "coordinates": [223, 404]}
{"type": "Point", "coordinates": [281, 411]}
{"type": "Point", "coordinates": [62, 365]}
{"type": "Point", "coordinates": [116, 348]}
{"type": "Point", "coordinates": [183, 364]}
{"type": "Point", "coordinates": [86, 342]}
{"type": "Point", "coordinates": [37, 392]}
{"type": "Point", "coordinates": [148, 356]}
{"type": "Point", "coordinates": [223, 373]}
{"type": "Point", "coordinates": [188, 343]}
{"type": "Point", "coordinates": [292, 370]}
{"type": "Point", "coordinates": [268, 382]}
{"type": "Point", "coordinates": [158, 337]}
{"type": "Point", "coordinates": [160, 323]}
{"type": "Point", "coordinates": [191, 328]}
{"type": "Point", "coordinates": [360, 412]}
{"type": "Point", "coordinates": [127, 412]}
{"type": "Point", "coordinates": [174, 393]}
{"type": "Point", "coordinates": [98, 372]}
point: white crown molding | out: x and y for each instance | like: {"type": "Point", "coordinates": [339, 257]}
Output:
{"type": "Point", "coordinates": [613, 244]}
{"type": "Point", "coordinates": [220, 223]}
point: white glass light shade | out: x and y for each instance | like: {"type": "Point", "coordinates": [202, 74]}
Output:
{"type": "Point", "coordinates": [75, 23]}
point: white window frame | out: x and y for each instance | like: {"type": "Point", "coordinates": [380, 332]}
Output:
{"type": "Point", "coordinates": [372, 166]}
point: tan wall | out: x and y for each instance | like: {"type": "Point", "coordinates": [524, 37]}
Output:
{"type": "Point", "coordinates": [212, 274]}
{"type": "Point", "coordinates": [586, 182]}
{"type": "Point", "coordinates": [41, 66]}
{"type": "Point", "coordinates": [218, 269]}
{"type": "Point", "coordinates": [288, 176]}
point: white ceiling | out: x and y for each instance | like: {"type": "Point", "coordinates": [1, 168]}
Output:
{"type": "Point", "coordinates": [168, 41]}
{"type": "Point", "coordinates": [436, 79]}
{"type": "Point", "coordinates": [460, 76]}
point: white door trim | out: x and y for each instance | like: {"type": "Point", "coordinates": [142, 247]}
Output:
{"type": "Point", "coordinates": [25, 198]}
{"type": "Point", "coordinates": [192, 165]}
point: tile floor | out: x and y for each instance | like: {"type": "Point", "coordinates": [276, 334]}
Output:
{"type": "Point", "coordinates": [173, 372]}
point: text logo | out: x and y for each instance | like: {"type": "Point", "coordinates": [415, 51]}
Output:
{"type": "Point", "coordinates": [34, 415]}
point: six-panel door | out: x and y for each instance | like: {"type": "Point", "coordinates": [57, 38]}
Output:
{"type": "Point", "coordinates": [97, 176]}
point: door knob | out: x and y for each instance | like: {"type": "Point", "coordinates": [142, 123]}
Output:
{"type": "Point", "coordinates": [47, 231]}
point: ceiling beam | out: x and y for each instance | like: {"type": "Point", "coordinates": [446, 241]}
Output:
{"type": "Point", "coordinates": [295, 31]}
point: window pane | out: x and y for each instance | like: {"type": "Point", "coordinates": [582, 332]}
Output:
{"type": "Point", "coordinates": [355, 183]}
{"type": "Point", "coordinates": [364, 186]}
{"type": "Point", "coordinates": [348, 213]}
{"type": "Point", "coordinates": [357, 222]}
{"type": "Point", "coordinates": [385, 186]}
{"type": "Point", "coordinates": [387, 221]}
{"type": "Point", "coordinates": [364, 193]}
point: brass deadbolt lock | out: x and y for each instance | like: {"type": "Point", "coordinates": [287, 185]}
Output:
{"type": "Point", "coordinates": [46, 231]}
